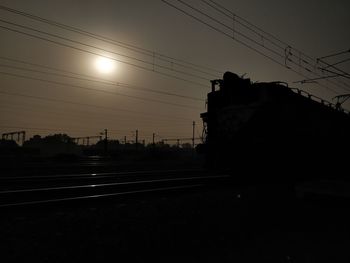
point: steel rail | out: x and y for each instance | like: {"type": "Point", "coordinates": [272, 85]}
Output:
{"type": "Point", "coordinates": [96, 175]}
{"type": "Point", "coordinates": [112, 184]}
{"type": "Point", "coordinates": [99, 196]}
{"type": "Point", "coordinates": [66, 193]}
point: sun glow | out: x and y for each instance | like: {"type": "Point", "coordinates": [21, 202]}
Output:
{"type": "Point", "coordinates": [104, 65]}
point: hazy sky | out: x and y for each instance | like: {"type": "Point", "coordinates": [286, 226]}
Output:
{"type": "Point", "coordinates": [163, 48]}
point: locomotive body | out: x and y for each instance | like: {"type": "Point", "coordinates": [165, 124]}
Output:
{"type": "Point", "coordinates": [273, 128]}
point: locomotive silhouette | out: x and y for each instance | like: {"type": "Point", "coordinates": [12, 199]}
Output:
{"type": "Point", "coordinates": [269, 128]}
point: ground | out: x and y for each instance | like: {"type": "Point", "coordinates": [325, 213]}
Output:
{"type": "Point", "coordinates": [221, 224]}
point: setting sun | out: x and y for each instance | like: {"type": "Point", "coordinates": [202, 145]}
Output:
{"type": "Point", "coordinates": [104, 65]}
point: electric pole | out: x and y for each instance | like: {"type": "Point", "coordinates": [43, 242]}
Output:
{"type": "Point", "coordinates": [153, 135]}
{"type": "Point", "coordinates": [193, 129]}
{"type": "Point", "coordinates": [106, 141]}
{"type": "Point", "coordinates": [137, 138]}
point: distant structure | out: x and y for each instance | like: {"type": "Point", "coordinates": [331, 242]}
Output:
{"type": "Point", "coordinates": [86, 139]}
{"type": "Point", "coordinates": [18, 135]}
{"type": "Point", "coordinates": [272, 128]}
{"type": "Point", "coordinates": [181, 141]}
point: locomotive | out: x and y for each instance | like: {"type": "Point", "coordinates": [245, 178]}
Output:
{"type": "Point", "coordinates": [270, 128]}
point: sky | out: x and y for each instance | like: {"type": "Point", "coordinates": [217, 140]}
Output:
{"type": "Point", "coordinates": [163, 60]}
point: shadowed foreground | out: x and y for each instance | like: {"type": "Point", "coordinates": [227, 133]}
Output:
{"type": "Point", "coordinates": [207, 225]}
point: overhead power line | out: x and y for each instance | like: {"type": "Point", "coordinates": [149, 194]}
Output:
{"type": "Point", "coordinates": [153, 65]}
{"type": "Point", "coordinates": [332, 65]}
{"type": "Point", "coordinates": [88, 117]}
{"type": "Point", "coordinates": [92, 79]}
{"type": "Point", "coordinates": [335, 54]}
{"type": "Point", "coordinates": [347, 75]}
{"type": "Point", "coordinates": [129, 133]}
{"type": "Point", "coordinates": [246, 24]}
{"type": "Point", "coordinates": [119, 118]}
{"type": "Point", "coordinates": [141, 50]}
{"type": "Point", "coordinates": [48, 99]}
{"type": "Point", "coordinates": [266, 35]}
{"type": "Point", "coordinates": [228, 27]}
{"type": "Point", "coordinates": [324, 77]}
{"type": "Point", "coordinates": [152, 54]}
{"type": "Point", "coordinates": [39, 128]}
{"type": "Point", "coordinates": [57, 129]}
{"type": "Point", "coordinates": [87, 88]}
{"type": "Point", "coordinates": [337, 63]}
{"type": "Point", "coordinates": [259, 41]}
{"type": "Point", "coordinates": [221, 31]}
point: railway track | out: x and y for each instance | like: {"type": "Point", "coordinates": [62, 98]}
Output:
{"type": "Point", "coordinates": [68, 179]}
{"type": "Point", "coordinates": [21, 191]}
{"type": "Point", "coordinates": [50, 167]}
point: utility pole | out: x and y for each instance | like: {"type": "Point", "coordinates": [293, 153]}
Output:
{"type": "Point", "coordinates": [137, 138]}
{"type": "Point", "coordinates": [153, 135]}
{"type": "Point", "coordinates": [106, 141]}
{"type": "Point", "coordinates": [124, 139]}
{"type": "Point", "coordinates": [193, 129]}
